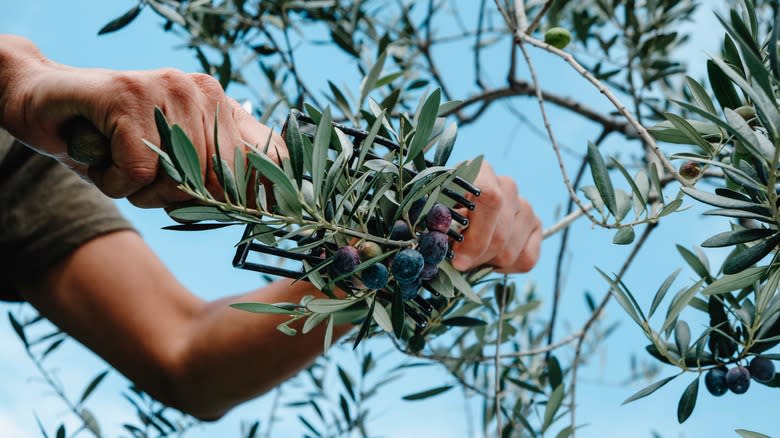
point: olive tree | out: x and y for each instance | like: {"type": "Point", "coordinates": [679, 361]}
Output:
{"type": "Point", "coordinates": [684, 141]}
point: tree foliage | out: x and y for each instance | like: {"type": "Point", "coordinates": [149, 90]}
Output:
{"type": "Point", "coordinates": [487, 331]}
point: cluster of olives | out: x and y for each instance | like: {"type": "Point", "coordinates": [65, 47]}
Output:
{"type": "Point", "coordinates": [411, 266]}
{"type": "Point", "coordinates": [737, 379]}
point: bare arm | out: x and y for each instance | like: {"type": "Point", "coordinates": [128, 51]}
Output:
{"type": "Point", "coordinates": [116, 297]}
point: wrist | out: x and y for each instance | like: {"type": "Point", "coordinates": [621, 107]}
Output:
{"type": "Point", "coordinates": [20, 63]}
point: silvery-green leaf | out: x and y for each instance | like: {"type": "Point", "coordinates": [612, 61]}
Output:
{"type": "Point", "coordinates": [691, 133]}
{"type": "Point", "coordinates": [121, 21]}
{"type": "Point", "coordinates": [448, 107]}
{"type": "Point", "coordinates": [553, 403]}
{"type": "Point", "coordinates": [650, 389]}
{"type": "Point", "coordinates": [765, 106]}
{"type": "Point", "coordinates": [339, 99]}
{"type": "Point", "coordinates": [429, 172]}
{"type": "Point", "coordinates": [694, 262]}
{"type": "Point", "coordinates": [187, 157]}
{"type": "Point", "coordinates": [700, 95]}
{"type": "Point", "coordinates": [286, 329]}
{"type": "Point", "coordinates": [642, 184]}
{"type": "Point", "coordinates": [446, 143]}
{"type": "Point", "coordinates": [226, 178]}
{"type": "Point", "coordinates": [639, 197]}
{"type": "Point", "coordinates": [749, 256]}
{"type": "Point", "coordinates": [679, 302]}
{"type": "Point", "coordinates": [688, 401]}
{"type": "Point", "coordinates": [598, 170]}
{"type": "Point", "coordinates": [592, 193]}
{"type": "Point", "coordinates": [624, 236]}
{"type": "Point", "coordinates": [239, 171]}
{"type": "Point", "coordinates": [458, 281]}
{"type": "Point", "coordinates": [750, 434]}
{"type": "Point", "coordinates": [622, 203]}
{"type": "Point", "coordinates": [328, 339]}
{"type": "Point", "coordinates": [720, 201]}
{"type": "Point", "coordinates": [324, 305]}
{"type": "Point", "coordinates": [729, 238]}
{"type": "Point", "coordinates": [661, 292]}
{"type": "Point", "coordinates": [670, 207]}
{"type": "Point", "coordinates": [199, 213]}
{"type": "Point", "coordinates": [365, 145]}
{"type": "Point", "coordinates": [265, 308]}
{"type": "Point", "coordinates": [294, 141]}
{"type": "Point", "coordinates": [443, 285]}
{"type": "Point", "coordinates": [369, 82]}
{"type": "Point", "coordinates": [165, 162]}
{"type": "Point", "coordinates": [728, 283]}
{"type": "Point", "coordinates": [381, 166]}
{"type": "Point", "coordinates": [282, 185]}
{"type": "Point", "coordinates": [424, 125]}
{"type": "Point", "coordinates": [427, 393]}
{"type": "Point", "coordinates": [682, 337]}
{"type": "Point", "coordinates": [382, 318]}
{"type": "Point", "coordinates": [749, 138]}
{"type": "Point", "coordinates": [320, 157]}
{"type": "Point", "coordinates": [667, 132]}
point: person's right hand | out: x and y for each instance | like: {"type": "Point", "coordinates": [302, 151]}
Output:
{"type": "Point", "coordinates": [38, 97]}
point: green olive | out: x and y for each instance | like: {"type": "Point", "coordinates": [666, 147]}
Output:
{"type": "Point", "coordinates": [557, 37]}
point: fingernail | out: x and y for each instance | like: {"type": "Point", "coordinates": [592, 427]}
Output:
{"type": "Point", "coordinates": [461, 262]}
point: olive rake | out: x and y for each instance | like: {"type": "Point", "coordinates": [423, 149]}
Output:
{"type": "Point", "coordinates": [251, 247]}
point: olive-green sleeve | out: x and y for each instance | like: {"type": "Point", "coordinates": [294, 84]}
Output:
{"type": "Point", "coordinates": [46, 212]}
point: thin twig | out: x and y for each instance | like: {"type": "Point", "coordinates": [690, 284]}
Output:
{"type": "Point", "coordinates": [594, 317]}
{"type": "Point", "coordinates": [497, 358]}
{"type": "Point", "coordinates": [557, 288]}
{"type": "Point", "coordinates": [548, 126]}
{"type": "Point", "coordinates": [564, 222]}
{"type": "Point", "coordinates": [520, 17]}
{"type": "Point", "coordinates": [643, 134]}
{"type": "Point", "coordinates": [524, 353]}
{"type": "Point", "coordinates": [478, 45]}
{"type": "Point", "coordinates": [538, 18]}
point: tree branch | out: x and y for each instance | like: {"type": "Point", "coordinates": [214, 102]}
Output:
{"type": "Point", "coordinates": [524, 88]}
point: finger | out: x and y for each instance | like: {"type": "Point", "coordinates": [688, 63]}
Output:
{"type": "Point", "coordinates": [509, 232]}
{"type": "Point", "coordinates": [482, 220]}
{"type": "Point", "coordinates": [163, 192]}
{"type": "Point", "coordinates": [518, 228]}
{"type": "Point", "coordinates": [531, 251]}
{"type": "Point", "coordinates": [133, 165]}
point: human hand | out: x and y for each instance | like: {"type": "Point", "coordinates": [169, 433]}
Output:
{"type": "Point", "coordinates": [503, 230]}
{"type": "Point", "coordinates": [38, 98]}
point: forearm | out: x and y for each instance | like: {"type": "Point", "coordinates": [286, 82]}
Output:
{"type": "Point", "coordinates": [114, 296]}
{"type": "Point", "coordinates": [235, 355]}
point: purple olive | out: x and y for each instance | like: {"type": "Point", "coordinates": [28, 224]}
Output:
{"type": "Point", "coordinates": [439, 218]}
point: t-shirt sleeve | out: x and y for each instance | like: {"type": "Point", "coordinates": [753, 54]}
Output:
{"type": "Point", "coordinates": [46, 212]}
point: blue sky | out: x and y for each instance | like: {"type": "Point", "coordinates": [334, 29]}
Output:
{"type": "Point", "coordinates": [66, 32]}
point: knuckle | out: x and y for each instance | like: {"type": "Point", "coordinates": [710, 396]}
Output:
{"type": "Point", "coordinates": [208, 86]}
{"type": "Point", "coordinates": [129, 85]}
{"type": "Point", "coordinates": [490, 197]}
{"type": "Point", "coordinates": [528, 259]}
{"type": "Point", "coordinates": [508, 183]}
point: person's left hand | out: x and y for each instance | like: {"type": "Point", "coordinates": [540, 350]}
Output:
{"type": "Point", "coordinates": [503, 232]}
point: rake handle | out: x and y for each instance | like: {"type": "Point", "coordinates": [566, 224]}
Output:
{"type": "Point", "coordinates": [86, 145]}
